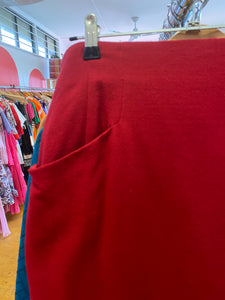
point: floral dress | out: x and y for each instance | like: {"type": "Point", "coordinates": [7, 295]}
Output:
{"type": "Point", "coordinates": [7, 190]}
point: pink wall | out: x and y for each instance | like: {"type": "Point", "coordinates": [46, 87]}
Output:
{"type": "Point", "coordinates": [8, 71]}
{"type": "Point", "coordinates": [37, 79]}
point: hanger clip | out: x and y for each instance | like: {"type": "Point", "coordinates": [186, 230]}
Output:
{"type": "Point", "coordinates": [91, 50]}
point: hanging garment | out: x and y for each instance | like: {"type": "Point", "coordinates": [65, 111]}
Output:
{"type": "Point", "coordinates": [43, 105]}
{"type": "Point", "coordinates": [22, 287]}
{"type": "Point", "coordinates": [11, 119]}
{"type": "Point", "coordinates": [25, 141]}
{"type": "Point", "coordinates": [23, 109]}
{"type": "Point", "coordinates": [4, 229]}
{"type": "Point", "coordinates": [22, 118]}
{"type": "Point", "coordinates": [17, 175]}
{"type": "Point", "coordinates": [17, 119]}
{"type": "Point", "coordinates": [26, 147]}
{"type": "Point", "coordinates": [5, 122]}
{"type": "Point", "coordinates": [19, 154]}
{"type": "Point", "coordinates": [38, 106]}
{"type": "Point", "coordinates": [127, 200]}
{"type": "Point", "coordinates": [3, 151]}
{"type": "Point", "coordinates": [35, 118]}
{"type": "Point", "coordinates": [7, 190]}
{"type": "Point", "coordinates": [30, 111]}
{"type": "Point", "coordinates": [40, 114]}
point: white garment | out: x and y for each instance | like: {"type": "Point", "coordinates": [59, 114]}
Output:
{"type": "Point", "coordinates": [19, 153]}
{"type": "Point", "coordinates": [20, 115]}
{"type": "Point", "coordinates": [4, 229]}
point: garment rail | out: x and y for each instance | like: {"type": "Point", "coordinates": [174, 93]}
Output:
{"type": "Point", "coordinates": [92, 30]}
{"type": "Point", "coordinates": [151, 32]}
{"type": "Point", "coordinates": [23, 88]}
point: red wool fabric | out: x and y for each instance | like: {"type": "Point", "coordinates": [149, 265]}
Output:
{"type": "Point", "coordinates": [127, 200]}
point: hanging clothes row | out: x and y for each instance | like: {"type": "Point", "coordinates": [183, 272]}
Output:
{"type": "Point", "coordinates": [20, 116]}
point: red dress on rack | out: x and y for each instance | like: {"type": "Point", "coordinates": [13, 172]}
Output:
{"type": "Point", "coordinates": [127, 200]}
{"type": "Point", "coordinates": [17, 174]}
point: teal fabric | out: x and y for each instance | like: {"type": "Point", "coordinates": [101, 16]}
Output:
{"type": "Point", "coordinates": [22, 287]}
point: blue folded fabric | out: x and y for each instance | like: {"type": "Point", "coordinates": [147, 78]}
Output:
{"type": "Point", "coordinates": [22, 287]}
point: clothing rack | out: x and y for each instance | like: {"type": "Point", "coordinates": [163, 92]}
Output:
{"type": "Point", "coordinates": [24, 88]}
{"type": "Point", "coordinates": [151, 32]}
{"type": "Point", "coordinates": [92, 51]}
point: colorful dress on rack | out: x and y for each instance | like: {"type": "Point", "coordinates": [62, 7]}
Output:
{"type": "Point", "coordinates": [3, 151]}
{"type": "Point", "coordinates": [17, 119]}
{"type": "Point", "coordinates": [40, 113]}
{"type": "Point", "coordinates": [26, 140]}
{"type": "Point", "coordinates": [7, 190]}
{"type": "Point", "coordinates": [30, 111]}
{"type": "Point", "coordinates": [4, 229]}
{"type": "Point", "coordinates": [11, 119]}
{"type": "Point", "coordinates": [15, 168]}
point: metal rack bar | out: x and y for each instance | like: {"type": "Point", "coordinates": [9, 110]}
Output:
{"type": "Point", "coordinates": [153, 31]}
{"type": "Point", "coordinates": [25, 88]}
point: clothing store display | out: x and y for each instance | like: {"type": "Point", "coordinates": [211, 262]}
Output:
{"type": "Point", "coordinates": [127, 197]}
{"type": "Point", "coordinates": [22, 288]}
{"type": "Point", "coordinates": [15, 150]}
{"type": "Point", "coordinates": [38, 106]}
{"type": "Point", "coordinates": [40, 113]}
{"type": "Point", "coordinates": [17, 175]}
{"type": "Point", "coordinates": [30, 128]}
{"type": "Point", "coordinates": [12, 181]}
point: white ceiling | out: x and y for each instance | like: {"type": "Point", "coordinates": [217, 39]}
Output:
{"type": "Point", "coordinates": [65, 18]}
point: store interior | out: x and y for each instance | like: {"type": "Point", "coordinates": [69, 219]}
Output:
{"type": "Point", "coordinates": [67, 81]}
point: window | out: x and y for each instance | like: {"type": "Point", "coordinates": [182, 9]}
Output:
{"type": "Point", "coordinates": [25, 45]}
{"type": "Point", "coordinates": [42, 49]}
{"type": "Point", "coordinates": [7, 26]}
{"type": "Point", "coordinates": [51, 47]}
{"type": "Point", "coordinates": [47, 46]}
{"type": "Point", "coordinates": [24, 35]}
{"type": "Point", "coordinates": [18, 32]}
{"type": "Point", "coordinates": [8, 37]}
